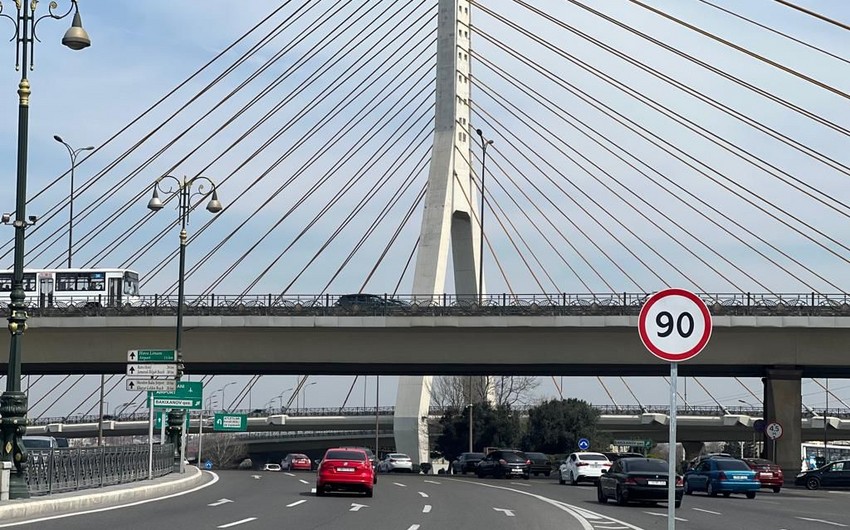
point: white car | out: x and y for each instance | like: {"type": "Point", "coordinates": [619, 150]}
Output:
{"type": "Point", "coordinates": [396, 462]}
{"type": "Point", "coordinates": [271, 467]}
{"type": "Point", "coordinates": [583, 466]}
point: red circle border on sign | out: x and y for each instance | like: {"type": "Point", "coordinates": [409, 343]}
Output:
{"type": "Point", "coordinates": [674, 357]}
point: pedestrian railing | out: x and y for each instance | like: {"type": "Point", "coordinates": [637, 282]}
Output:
{"type": "Point", "coordinates": [75, 468]}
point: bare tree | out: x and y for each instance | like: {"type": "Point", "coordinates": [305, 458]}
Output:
{"type": "Point", "coordinates": [457, 392]}
{"type": "Point", "coordinates": [226, 450]}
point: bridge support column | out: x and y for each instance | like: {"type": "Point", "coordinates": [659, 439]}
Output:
{"type": "Point", "coordinates": [782, 404]}
{"type": "Point", "coordinates": [692, 449]}
{"type": "Point", "coordinates": [410, 421]}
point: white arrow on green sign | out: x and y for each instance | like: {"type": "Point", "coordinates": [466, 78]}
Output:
{"type": "Point", "coordinates": [151, 356]}
{"type": "Point", "coordinates": [188, 395]}
{"type": "Point", "coordinates": [230, 422]}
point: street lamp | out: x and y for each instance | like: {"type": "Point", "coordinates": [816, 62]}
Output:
{"type": "Point", "coordinates": [223, 401]}
{"type": "Point", "coordinates": [484, 144]}
{"type": "Point", "coordinates": [73, 154]}
{"type": "Point", "coordinates": [13, 402]}
{"type": "Point", "coordinates": [184, 194]}
{"type": "Point", "coordinates": [304, 394]}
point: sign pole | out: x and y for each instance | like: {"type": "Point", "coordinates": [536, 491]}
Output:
{"type": "Point", "coordinates": [162, 417]}
{"type": "Point", "coordinates": [200, 436]}
{"type": "Point", "coordinates": [672, 454]}
{"type": "Point", "coordinates": [150, 443]}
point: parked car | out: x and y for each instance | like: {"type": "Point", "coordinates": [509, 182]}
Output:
{"type": "Point", "coordinates": [769, 474]}
{"type": "Point", "coordinates": [504, 463]}
{"type": "Point", "coordinates": [582, 465]}
{"type": "Point", "coordinates": [345, 469]}
{"type": "Point", "coordinates": [271, 467]}
{"type": "Point", "coordinates": [539, 463]}
{"type": "Point", "coordinates": [637, 479]}
{"type": "Point", "coordinates": [722, 475]}
{"type": "Point", "coordinates": [834, 474]}
{"type": "Point", "coordinates": [368, 301]}
{"type": "Point", "coordinates": [395, 462]}
{"type": "Point", "coordinates": [296, 461]}
{"type": "Point", "coordinates": [466, 463]}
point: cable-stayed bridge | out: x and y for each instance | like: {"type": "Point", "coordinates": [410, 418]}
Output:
{"type": "Point", "coordinates": [634, 148]}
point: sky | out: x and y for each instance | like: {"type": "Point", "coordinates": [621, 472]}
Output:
{"type": "Point", "coordinates": [615, 242]}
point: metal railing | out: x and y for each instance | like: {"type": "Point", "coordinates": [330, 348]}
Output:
{"type": "Point", "coordinates": [75, 468]}
{"type": "Point", "coordinates": [559, 304]}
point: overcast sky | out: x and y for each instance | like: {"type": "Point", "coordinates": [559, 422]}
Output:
{"type": "Point", "coordinates": [142, 50]}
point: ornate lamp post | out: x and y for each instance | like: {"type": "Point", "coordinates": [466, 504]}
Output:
{"type": "Point", "coordinates": [73, 154]}
{"type": "Point", "coordinates": [484, 144]}
{"type": "Point", "coordinates": [13, 402]}
{"type": "Point", "coordinates": [184, 193]}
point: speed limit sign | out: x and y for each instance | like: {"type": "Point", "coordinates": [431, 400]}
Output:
{"type": "Point", "coordinates": [674, 325]}
{"type": "Point", "coordinates": [773, 431]}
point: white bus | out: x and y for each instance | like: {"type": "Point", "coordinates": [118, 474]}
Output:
{"type": "Point", "coordinates": [75, 287]}
{"type": "Point", "coordinates": [814, 456]}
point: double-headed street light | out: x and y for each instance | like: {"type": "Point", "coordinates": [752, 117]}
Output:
{"type": "Point", "coordinates": [13, 402]}
{"type": "Point", "coordinates": [484, 144]}
{"type": "Point", "coordinates": [184, 194]}
{"type": "Point", "coordinates": [73, 154]}
{"type": "Point", "coordinates": [223, 401]}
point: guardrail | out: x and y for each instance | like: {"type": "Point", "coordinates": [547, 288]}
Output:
{"type": "Point", "coordinates": [68, 469]}
{"type": "Point", "coordinates": [761, 304]}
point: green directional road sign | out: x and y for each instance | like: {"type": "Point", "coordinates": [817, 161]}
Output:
{"type": "Point", "coordinates": [151, 356]}
{"type": "Point", "coordinates": [189, 395]}
{"type": "Point", "coordinates": [230, 422]}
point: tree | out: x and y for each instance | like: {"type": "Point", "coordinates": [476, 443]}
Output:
{"type": "Point", "coordinates": [556, 426]}
{"type": "Point", "coordinates": [458, 391]}
{"type": "Point", "coordinates": [491, 427]}
{"type": "Point", "coordinates": [224, 449]}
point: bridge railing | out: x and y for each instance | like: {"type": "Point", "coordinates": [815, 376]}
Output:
{"type": "Point", "coordinates": [68, 469]}
{"type": "Point", "coordinates": [761, 304]}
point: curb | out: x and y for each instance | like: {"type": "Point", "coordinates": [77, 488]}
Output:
{"type": "Point", "coordinates": [99, 498]}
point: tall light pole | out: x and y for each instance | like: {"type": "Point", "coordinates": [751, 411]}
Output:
{"type": "Point", "coordinates": [13, 402]}
{"type": "Point", "coordinates": [223, 401]}
{"type": "Point", "coordinates": [184, 194]}
{"type": "Point", "coordinates": [73, 154]}
{"type": "Point", "coordinates": [304, 394]}
{"type": "Point", "coordinates": [470, 413]}
{"type": "Point", "coordinates": [484, 144]}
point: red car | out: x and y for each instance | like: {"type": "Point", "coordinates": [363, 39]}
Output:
{"type": "Point", "coordinates": [345, 469]}
{"type": "Point", "coordinates": [296, 461]}
{"type": "Point", "coordinates": [768, 473]}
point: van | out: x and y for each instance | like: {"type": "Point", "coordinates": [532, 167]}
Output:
{"type": "Point", "coordinates": [39, 442]}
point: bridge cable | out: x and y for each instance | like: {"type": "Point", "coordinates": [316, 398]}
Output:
{"type": "Point", "coordinates": [813, 13]}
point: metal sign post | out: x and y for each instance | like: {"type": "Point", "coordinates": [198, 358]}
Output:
{"type": "Point", "coordinates": [150, 444]}
{"type": "Point", "coordinates": [674, 325]}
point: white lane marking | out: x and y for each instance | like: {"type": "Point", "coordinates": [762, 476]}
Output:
{"type": "Point", "coordinates": [258, 477]}
{"type": "Point", "coordinates": [219, 502]}
{"type": "Point", "coordinates": [302, 481]}
{"type": "Point", "coordinates": [400, 484]}
{"type": "Point", "coordinates": [356, 507]}
{"type": "Point", "coordinates": [824, 521]}
{"type": "Point", "coordinates": [237, 523]}
{"type": "Point", "coordinates": [288, 474]}
{"type": "Point", "coordinates": [706, 511]}
{"type": "Point", "coordinates": [665, 515]}
{"type": "Point", "coordinates": [109, 508]}
{"type": "Point", "coordinates": [836, 492]}
{"type": "Point", "coordinates": [414, 527]}
{"type": "Point", "coordinates": [507, 512]}
{"type": "Point", "coordinates": [423, 494]}
{"type": "Point", "coordinates": [296, 503]}
{"type": "Point", "coordinates": [432, 482]}
{"type": "Point", "coordinates": [426, 508]}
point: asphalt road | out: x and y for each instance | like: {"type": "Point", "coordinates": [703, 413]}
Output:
{"type": "Point", "coordinates": [246, 500]}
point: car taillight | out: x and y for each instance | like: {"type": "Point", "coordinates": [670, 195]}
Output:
{"type": "Point", "coordinates": [502, 461]}
{"type": "Point", "coordinates": [630, 480]}
{"type": "Point", "coordinates": [528, 462]}
{"type": "Point", "coordinates": [582, 464]}
{"type": "Point", "coordinates": [679, 481]}
{"type": "Point", "coordinates": [721, 476]}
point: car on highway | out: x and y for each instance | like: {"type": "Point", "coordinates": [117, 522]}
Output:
{"type": "Point", "coordinates": [633, 479]}
{"type": "Point", "coordinates": [466, 463]}
{"type": "Point", "coordinates": [540, 463]}
{"type": "Point", "coordinates": [368, 301]}
{"type": "Point", "coordinates": [345, 469]}
{"type": "Point", "coordinates": [296, 462]}
{"type": "Point", "coordinates": [372, 459]}
{"type": "Point", "coordinates": [504, 463]}
{"type": "Point", "coordinates": [271, 467]}
{"type": "Point", "coordinates": [722, 475]}
{"type": "Point", "coordinates": [582, 466]}
{"type": "Point", "coordinates": [395, 462]}
{"type": "Point", "coordinates": [833, 475]}
{"type": "Point", "coordinates": [769, 474]}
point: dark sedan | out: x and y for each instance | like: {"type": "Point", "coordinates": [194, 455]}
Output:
{"type": "Point", "coordinates": [832, 475]}
{"type": "Point", "coordinates": [638, 480]}
{"type": "Point", "coordinates": [504, 463]}
{"type": "Point", "coordinates": [539, 463]}
{"type": "Point", "coordinates": [466, 463]}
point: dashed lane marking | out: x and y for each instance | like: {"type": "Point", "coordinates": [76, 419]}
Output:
{"type": "Point", "coordinates": [400, 484]}
{"type": "Point", "coordinates": [414, 527]}
{"type": "Point", "coordinates": [302, 481]}
{"type": "Point", "coordinates": [423, 494]}
{"type": "Point", "coordinates": [296, 503]}
{"type": "Point", "coordinates": [426, 508]}
{"type": "Point", "coordinates": [288, 474]}
{"type": "Point", "coordinates": [237, 523]}
{"type": "Point", "coordinates": [432, 482]}
{"type": "Point", "coordinates": [823, 521]}
{"type": "Point", "coordinates": [665, 516]}
{"type": "Point", "coordinates": [509, 513]}
{"type": "Point", "coordinates": [219, 502]}
{"type": "Point", "coordinates": [706, 511]}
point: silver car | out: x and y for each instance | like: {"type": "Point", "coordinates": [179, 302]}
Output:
{"type": "Point", "coordinates": [395, 462]}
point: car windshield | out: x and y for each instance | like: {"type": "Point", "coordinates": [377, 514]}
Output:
{"type": "Point", "coordinates": [642, 465]}
{"type": "Point", "coordinates": [398, 456]}
{"type": "Point", "coordinates": [342, 454]}
{"type": "Point", "coordinates": [593, 457]}
{"type": "Point", "coordinates": [299, 456]}
{"type": "Point", "coordinates": [732, 465]}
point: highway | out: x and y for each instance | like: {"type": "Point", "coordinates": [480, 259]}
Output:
{"type": "Point", "coordinates": [271, 500]}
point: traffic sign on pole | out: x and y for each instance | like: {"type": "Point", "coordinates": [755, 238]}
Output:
{"type": "Point", "coordinates": [186, 395]}
{"type": "Point", "coordinates": [149, 384]}
{"type": "Point", "coordinates": [773, 431]}
{"type": "Point", "coordinates": [583, 444]}
{"type": "Point", "coordinates": [152, 356]}
{"type": "Point", "coordinates": [230, 422]}
{"type": "Point", "coordinates": [674, 325]}
{"type": "Point", "coordinates": [152, 369]}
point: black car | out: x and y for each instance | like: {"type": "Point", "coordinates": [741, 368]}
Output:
{"type": "Point", "coordinates": [466, 463]}
{"type": "Point", "coordinates": [504, 463]}
{"type": "Point", "coordinates": [539, 463]}
{"type": "Point", "coordinates": [368, 301]}
{"type": "Point", "coordinates": [833, 475]}
{"type": "Point", "coordinates": [637, 479]}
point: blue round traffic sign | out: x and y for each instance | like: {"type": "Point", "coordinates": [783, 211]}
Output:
{"type": "Point", "coordinates": [583, 444]}
{"type": "Point", "coordinates": [208, 464]}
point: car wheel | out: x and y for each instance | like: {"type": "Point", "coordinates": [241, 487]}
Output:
{"type": "Point", "coordinates": [561, 480]}
{"type": "Point", "coordinates": [618, 496]}
{"type": "Point", "coordinates": [369, 492]}
{"type": "Point", "coordinates": [710, 490]}
{"type": "Point", "coordinates": [573, 479]}
{"type": "Point", "coordinates": [776, 489]}
{"type": "Point", "coordinates": [479, 474]}
{"type": "Point", "coordinates": [600, 495]}
{"type": "Point", "coordinates": [526, 477]}
{"type": "Point", "coordinates": [374, 479]}
{"type": "Point", "coordinates": [812, 483]}
{"type": "Point", "coordinates": [678, 503]}
{"type": "Point", "coordinates": [688, 490]}
{"type": "Point", "coordinates": [727, 493]}
{"type": "Point", "coordinates": [751, 495]}
{"type": "Point", "coordinates": [319, 491]}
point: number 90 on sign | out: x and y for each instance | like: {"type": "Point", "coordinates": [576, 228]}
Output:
{"type": "Point", "coordinates": [674, 325]}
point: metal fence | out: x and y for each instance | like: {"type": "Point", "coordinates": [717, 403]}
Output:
{"type": "Point", "coordinates": [76, 468]}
